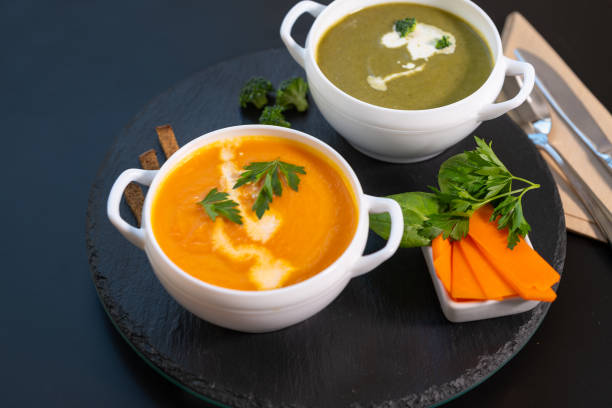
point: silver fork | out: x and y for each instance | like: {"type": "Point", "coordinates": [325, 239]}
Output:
{"type": "Point", "coordinates": [533, 117]}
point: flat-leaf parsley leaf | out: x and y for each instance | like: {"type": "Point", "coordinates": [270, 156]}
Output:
{"type": "Point", "coordinates": [272, 186]}
{"type": "Point", "coordinates": [472, 179]}
{"type": "Point", "coordinates": [216, 203]}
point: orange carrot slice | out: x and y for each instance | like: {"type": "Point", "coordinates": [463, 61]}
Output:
{"type": "Point", "coordinates": [463, 283]}
{"type": "Point", "coordinates": [442, 252]}
{"type": "Point", "coordinates": [489, 280]}
{"type": "Point", "coordinates": [521, 268]}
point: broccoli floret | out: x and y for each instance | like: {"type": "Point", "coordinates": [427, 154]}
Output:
{"type": "Point", "coordinates": [292, 92]}
{"type": "Point", "coordinates": [273, 115]}
{"type": "Point", "coordinates": [405, 26]}
{"type": "Point", "coordinates": [443, 42]}
{"type": "Point", "coordinates": [255, 91]}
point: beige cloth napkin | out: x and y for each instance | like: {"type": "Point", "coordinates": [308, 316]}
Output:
{"type": "Point", "coordinates": [518, 33]}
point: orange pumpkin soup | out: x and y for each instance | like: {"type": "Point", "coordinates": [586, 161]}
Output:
{"type": "Point", "coordinates": [301, 234]}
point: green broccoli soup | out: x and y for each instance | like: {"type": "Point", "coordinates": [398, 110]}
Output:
{"type": "Point", "coordinates": [405, 56]}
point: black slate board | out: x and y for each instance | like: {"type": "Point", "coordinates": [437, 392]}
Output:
{"type": "Point", "coordinates": [382, 342]}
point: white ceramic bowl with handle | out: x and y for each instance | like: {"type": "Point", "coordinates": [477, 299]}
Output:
{"type": "Point", "coordinates": [394, 135]}
{"type": "Point", "coordinates": [256, 311]}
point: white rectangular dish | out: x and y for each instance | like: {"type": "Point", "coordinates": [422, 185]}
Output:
{"type": "Point", "coordinates": [475, 310]}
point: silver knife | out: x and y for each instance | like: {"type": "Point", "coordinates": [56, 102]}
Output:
{"type": "Point", "coordinates": [569, 108]}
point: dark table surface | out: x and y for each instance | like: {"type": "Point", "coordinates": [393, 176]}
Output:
{"type": "Point", "coordinates": [73, 73]}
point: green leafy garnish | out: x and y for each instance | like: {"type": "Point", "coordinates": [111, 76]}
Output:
{"type": "Point", "coordinates": [272, 186]}
{"type": "Point", "coordinates": [417, 207]}
{"type": "Point", "coordinates": [255, 91]}
{"type": "Point", "coordinates": [292, 93]}
{"type": "Point", "coordinates": [443, 42]}
{"type": "Point", "coordinates": [216, 203]}
{"type": "Point", "coordinates": [472, 179]}
{"type": "Point", "coordinates": [405, 26]}
{"type": "Point", "coordinates": [466, 181]}
{"type": "Point", "coordinates": [273, 115]}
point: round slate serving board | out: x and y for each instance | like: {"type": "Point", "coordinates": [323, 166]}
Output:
{"type": "Point", "coordinates": [382, 342]}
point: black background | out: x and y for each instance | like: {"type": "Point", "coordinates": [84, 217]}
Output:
{"type": "Point", "coordinates": [73, 73]}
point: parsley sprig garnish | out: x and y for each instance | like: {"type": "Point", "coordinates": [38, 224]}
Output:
{"type": "Point", "coordinates": [472, 179]}
{"type": "Point", "coordinates": [271, 186]}
{"type": "Point", "coordinates": [405, 26]}
{"type": "Point", "coordinates": [216, 203]}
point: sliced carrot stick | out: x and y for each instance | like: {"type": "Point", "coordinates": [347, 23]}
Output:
{"type": "Point", "coordinates": [521, 268]}
{"type": "Point", "coordinates": [463, 283]}
{"type": "Point", "coordinates": [491, 283]}
{"type": "Point", "coordinates": [442, 250]}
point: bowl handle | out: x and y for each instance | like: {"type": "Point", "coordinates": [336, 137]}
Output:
{"type": "Point", "coordinates": [378, 205]}
{"type": "Point", "coordinates": [512, 68]}
{"type": "Point", "coordinates": [298, 53]}
{"type": "Point", "coordinates": [132, 234]}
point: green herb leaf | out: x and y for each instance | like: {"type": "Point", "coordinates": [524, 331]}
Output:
{"type": "Point", "coordinates": [443, 42]}
{"type": "Point", "coordinates": [216, 203]}
{"type": "Point", "coordinates": [466, 181]}
{"type": "Point", "coordinates": [510, 213]}
{"type": "Point", "coordinates": [417, 208]}
{"type": "Point", "coordinates": [454, 226]}
{"type": "Point", "coordinates": [405, 26]}
{"type": "Point", "coordinates": [475, 178]}
{"type": "Point", "coordinates": [291, 171]}
{"type": "Point", "coordinates": [272, 185]}
{"type": "Point", "coordinates": [264, 198]}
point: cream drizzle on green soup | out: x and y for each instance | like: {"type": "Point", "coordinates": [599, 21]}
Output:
{"type": "Point", "coordinates": [367, 56]}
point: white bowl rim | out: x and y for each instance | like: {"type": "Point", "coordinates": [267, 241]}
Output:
{"type": "Point", "coordinates": [310, 51]}
{"type": "Point", "coordinates": [189, 148]}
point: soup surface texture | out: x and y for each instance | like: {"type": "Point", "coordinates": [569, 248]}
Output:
{"type": "Point", "coordinates": [366, 57]}
{"type": "Point", "coordinates": [301, 234]}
